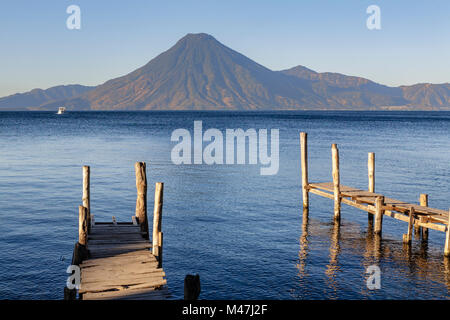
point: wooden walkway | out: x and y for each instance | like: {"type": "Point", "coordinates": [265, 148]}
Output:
{"type": "Point", "coordinates": [424, 216]}
{"type": "Point", "coordinates": [418, 216]}
{"type": "Point", "coordinates": [121, 265]}
{"type": "Point", "coordinates": [116, 260]}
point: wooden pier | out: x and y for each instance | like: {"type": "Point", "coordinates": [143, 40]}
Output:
{"type": "Point", "coordinates": [116, 259]}
{"type": "Point", "coordinates": [418, 216]}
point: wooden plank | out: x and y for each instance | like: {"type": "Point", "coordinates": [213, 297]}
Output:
{"type": "Point", "coordinates": [116, 229]}
{"type": "Point", "coordinates": [118, 260]}
{"type": "Point", "coordinates": [112, 262]}
{"type": "Point", "coordinates": [130, 246]}
{"type": "Point", "coordinates": [101, 238]}
{"type": "Point", "coordinates": [115, 236]}
{"type": "Point", "coordinates": [99, 273]}
{"type": "Point", "coordinates": [100, 242]}
{"type": "Point", "coordinates": [119, 223]}
{"type": "Point", "coordinates": [138, 267]}
{"type": "Point", "coordinates": [121, 285]}
{"type": "Point", "coordinates": [108, 254]}
{"type": "Point", "coordinates": [129, 277]}
{"type": "Point", "coordinates": [133, 294]}
{"type": "Point", "coordinates": [328, 186]}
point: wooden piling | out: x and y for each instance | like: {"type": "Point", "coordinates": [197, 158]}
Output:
{"type": "Point", "coordinates": [447, 238]}
{"type": "Point", "coordinates": [141, 200]}
{"type": "Point", "coordinates": [424, 203]}
{"type": "Point", "coordinates": [192, 287]}
{"type": "Point", "coordinates": [379, 202]}
{"type": "Point", "coordinates": [304, 167]}
{"type": "Point", "coordinates": [82, 225]}
{"type": "Point", "coordinates": [371, 176]}
{"type": "Point", "coordinates": [336, 182]}
{"type": "Point", "coordinates": [157, 216]}
{"type": "Point", "coordinates": [160, 249]}
{"type": "Point", "coordinates": [407, 238]}
{"type": "Point", "coordinates": [87, 193]}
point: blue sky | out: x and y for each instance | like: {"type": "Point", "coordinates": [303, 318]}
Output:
{"type": "Point", "coordinates": [116, 37]}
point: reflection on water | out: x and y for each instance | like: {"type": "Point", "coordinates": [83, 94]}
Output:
{"type": "Point", "coordinates": [407, 271]}
{"type": "Point", "coordinates": [333, 266]}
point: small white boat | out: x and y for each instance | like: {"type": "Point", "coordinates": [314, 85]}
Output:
{"type": "Point", "coordinates": [61, 110]}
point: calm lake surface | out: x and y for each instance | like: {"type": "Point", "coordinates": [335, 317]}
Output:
{"type": "Point", "coordinates": [242, 232]}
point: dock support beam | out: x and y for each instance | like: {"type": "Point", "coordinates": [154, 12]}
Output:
{"type": "Point", "coordinates": [424, 203]}
{"type": "Point", "coordinates": [371, 176]}
{"type": "Point", "coordinates": [379, 202]}
{"type": "Point", "coordinates": [447, 238]}
{"type": "Point", "coordinates": [141, 200]}
{"type": "Point", "coordinates": [336, 183]}
{"type": "Point", "coordinates": [304, 167]}
{"type": "Point", "coordinates": [157, 218]}
{"type": "Point", "coordinates": [87, 194]}
{"type": "Point", "coordinates": [407, 238]}
{"type": "Point", "coordinates": [160, 249]}
{"type": "Point", "coordinates": [82, 225]}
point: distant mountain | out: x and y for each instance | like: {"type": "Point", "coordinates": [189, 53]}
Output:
{"type": "Point", "coordinates": [200, 73]}
{"type": "Point", "coordinates": [37, 97]}
{"type": "Point", "coordinates": [428, 96]}
{"type": "Point", "coordinates": [359, 92]}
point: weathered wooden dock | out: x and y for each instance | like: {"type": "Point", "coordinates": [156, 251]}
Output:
{"type": "Point", "coordinates": [418, 216]}
{"type": "Point", "coordinates": [116, 259]}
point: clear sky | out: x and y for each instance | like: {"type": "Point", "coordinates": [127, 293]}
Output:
{"type": "Point", "coordinates": [37, 50]}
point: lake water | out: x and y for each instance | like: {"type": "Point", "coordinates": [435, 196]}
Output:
{"type": "Point", "coordinates": [241, 231]}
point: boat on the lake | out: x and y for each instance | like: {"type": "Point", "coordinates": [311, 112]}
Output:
{"type": "Point", "coordinates": [61, 110]}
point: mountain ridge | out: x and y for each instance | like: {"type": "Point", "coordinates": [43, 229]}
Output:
{"type": "Point", "coordinates": [200, 73]}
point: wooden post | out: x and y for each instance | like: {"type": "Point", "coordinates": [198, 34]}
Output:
{"type": "Point", "coordinates": [87, 194]}
{"type": "Point", "coordinates": [407, 238]}
{"type": "Point", "coordinates": [157, 216]}
{"type": "Point", "coordinates": [191, 287]}
{"type": "Point", "coordinates": [379, 202]}
{"type": "Point", "coordinates": [424, 203]}
{"type": "Point", "coordinates": [371, 175]}
{"type": "Point", "coordinates": [304, 167]}
{"type": "Point", "coordinates": [141, 200]}
{"type": "Point", "coordinates": [160, 249]}
{"type": "Point", "coordinates": [79, 254]}
{"type": "Point", "coordinates": [82, 225]}
{"type": "Point", "coordinates": [336, 182]}
{"type": "Point", "coordinates": [447, 238]}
